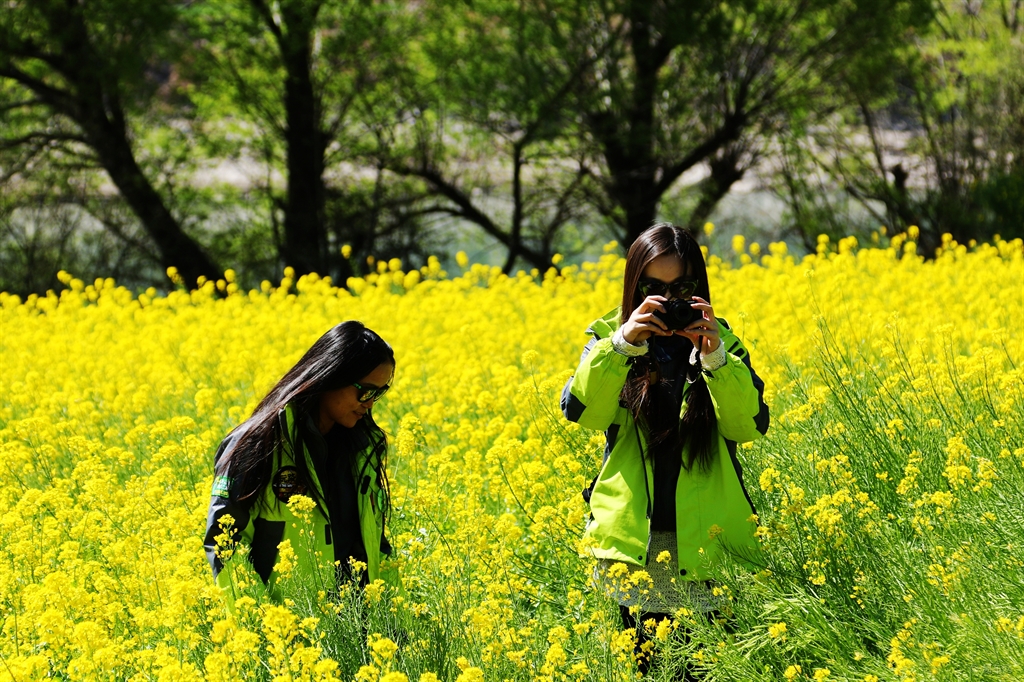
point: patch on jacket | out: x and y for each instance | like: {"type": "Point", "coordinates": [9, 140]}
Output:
{"type": "Point", "coordinates": [287, 483]}
{"type": "Point", "coordinates": [221, 486]}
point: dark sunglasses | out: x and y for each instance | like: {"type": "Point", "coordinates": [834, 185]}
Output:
{"type": "Point", "coordinates": [368, 393]}
{"type": "Point", "coordinates": [681, 288]}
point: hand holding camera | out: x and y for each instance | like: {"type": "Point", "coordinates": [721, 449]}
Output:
{"type": "Point", "coordinates": [644, 323]}
{"type": "Point", "coordinates": [693, 318]}
{"type": "Point", "coordinates": [703, 329]}
{"type": "Point", "coordinates": [678, 314]}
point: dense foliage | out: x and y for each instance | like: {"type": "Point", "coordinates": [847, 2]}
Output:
{"type": "Point", "coordinates": [255, 135]}
{"type": "Point", "coordinates": [889, 487]}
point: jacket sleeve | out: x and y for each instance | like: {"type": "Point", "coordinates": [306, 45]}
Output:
{"type": "Point", "coordinates": [224, 501]}
{"type": "Point", "coordinates": [591, 396]}
{"type": "Point", "coordinates": [737, 393]}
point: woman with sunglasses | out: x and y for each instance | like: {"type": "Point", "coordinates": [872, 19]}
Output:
{"type": "Point", "coordinates": [672, 387]}
{"type": "Point", "coordinates": [313, 434]}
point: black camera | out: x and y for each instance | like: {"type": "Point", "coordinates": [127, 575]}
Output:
{"type": "Point", "coordinates": [678, 314]}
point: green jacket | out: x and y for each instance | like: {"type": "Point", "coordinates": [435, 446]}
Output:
{"type": "Point", "coordinates": [713, 510]}
{"type": "Point", "coordinates": [262, 526]}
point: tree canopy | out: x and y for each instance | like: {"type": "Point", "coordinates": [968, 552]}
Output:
{"type": "Point", "coordinates": [540, 124]}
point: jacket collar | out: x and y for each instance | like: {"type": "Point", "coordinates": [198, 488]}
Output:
{"type": "Point", "coordinates": [603, 327]}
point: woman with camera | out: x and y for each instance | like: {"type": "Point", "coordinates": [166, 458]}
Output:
{"type": "Point", "coordinates": [673, 389]}
{"type": "Point", "coordinates": [314, 435]}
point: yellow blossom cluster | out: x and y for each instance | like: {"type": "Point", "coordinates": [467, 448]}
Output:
{"type": "Point", "coordinates": [889, 486]}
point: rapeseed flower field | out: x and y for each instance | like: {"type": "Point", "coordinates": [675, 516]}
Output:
{"type": "Point", "coordinates": [890, 487]}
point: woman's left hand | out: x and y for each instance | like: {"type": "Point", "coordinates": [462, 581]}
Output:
{"type": "Point", "coordinates": [703, 334]}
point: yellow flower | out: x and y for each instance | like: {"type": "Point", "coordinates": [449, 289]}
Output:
{"type": "Point", "coordinates": [554, 659]}
{"type": "Point", "coordinates": [937, 663]}
{"type": "Point", "coordinates": [114, 400]}
{"type": "Point", "coordinates": [381, 647]}
{"type": "Point", "coordinates": [300, 505]}
{"type": "Point", "coordinates": [367, 673]}
{"type": "Point", "coordinates": [471, 674]}
{"type": "Point", "coordinates": [374, 591]}
{"type": "Point", "coordinates": [558, 635]}
{"type": "Point", "coordinates": [286, 559]}
{"type": "Point", "coordinates": [768, 478]}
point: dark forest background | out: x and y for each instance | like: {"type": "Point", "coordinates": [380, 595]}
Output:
{"type": "Point", "coordinates": [141, 134]}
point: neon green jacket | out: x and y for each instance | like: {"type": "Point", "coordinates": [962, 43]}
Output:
{"type": "Point", "coordinates": [713, 511]}
{"type": "Point", "coordinates": [262, 526]}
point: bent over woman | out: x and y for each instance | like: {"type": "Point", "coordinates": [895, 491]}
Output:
{"type": "Point", "coordinates": [313, 435]}
{"type": "Point", "coordinates": [673, 389]}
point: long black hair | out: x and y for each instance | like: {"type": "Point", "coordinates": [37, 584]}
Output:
{"type": "Point", "coordinates": [343, 355]}
{"type": "Point", "coordinates": [660, 417]}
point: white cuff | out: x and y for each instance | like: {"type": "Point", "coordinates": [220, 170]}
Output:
{"type": "Point", "coordinates": [714, 359]}
{"type": "Point", "coordinates": [623, 347]}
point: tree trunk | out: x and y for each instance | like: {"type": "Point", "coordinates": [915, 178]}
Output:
{"type": "Point", "coordinates": [640, 170]}
{"type": "Point", "coordinates": [641, 209]}
{"type": "Point", "coordinates": [631, 185]}
{"type": "Point", "coordinates": [106, 131]}
{"type": "Point", "coordinates": [627, 140]}
{"type": "Point", "coordinates": [93, 101]}
{"type": "Point", "coordinates": [726, 170]}
{"type": "Point", "coordinates": [176, 248]}
{"type": "Point", "coordinates": [636, 176]}
{"type": "Point", "coordinates": [516, 236]}
{"type": "Point", "coordinates": [305, 232]}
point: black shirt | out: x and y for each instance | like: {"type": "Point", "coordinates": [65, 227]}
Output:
{"type": "Point", "coordinates": [672, 355]}
{"type": "Point", "coordinates": [335, 468]}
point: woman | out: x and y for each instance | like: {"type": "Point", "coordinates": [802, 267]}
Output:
{"type": "Point", "coordinates": [674, 403]}
{"type": "Point", "coordinates": [314, 435]}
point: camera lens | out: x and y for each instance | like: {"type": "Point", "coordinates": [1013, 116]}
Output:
{"type": "Point", "coordinates": [678, 314]}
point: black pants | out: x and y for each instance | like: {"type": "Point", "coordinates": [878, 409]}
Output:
{"type": "Point", "coordinates": [643, 660]}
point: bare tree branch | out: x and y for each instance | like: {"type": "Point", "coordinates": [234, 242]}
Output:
{"type": "Point", "coordinates": [60, 100]}
{"type": "Point", "coordinates": [25, 104]}
{"type": "Point", "coordinates": [43, 137]}
{"type": "Point", "coordinates": [466, 208]}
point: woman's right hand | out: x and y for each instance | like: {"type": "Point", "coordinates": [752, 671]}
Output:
{"type": "Point", "coordinates": [642, 324]}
